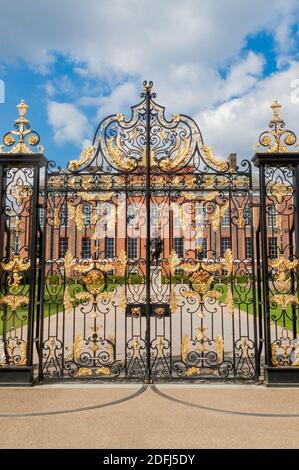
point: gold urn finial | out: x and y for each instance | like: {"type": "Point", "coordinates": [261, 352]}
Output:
{"type": "Point", "coordinates": [275, 106]}
{"type": "Point", "coordinates": [22, 107]}
{"type": "Point", "coordinates": [277, 139]}
{"type": "Point", "coordinates": [21, 139]}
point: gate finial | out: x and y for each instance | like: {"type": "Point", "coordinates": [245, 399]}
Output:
{"type": "Point", "coordinates": [22, 139]}
{"type": "Point", "coordinates": [147, 86]}
{"type": "Point", "coordinates": [277, 139]}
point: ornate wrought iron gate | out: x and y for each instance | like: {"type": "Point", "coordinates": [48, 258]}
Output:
{"type": "Point", "coordinates": [136, 262]}
{"type": "Point", "coordinates": [148, 268]}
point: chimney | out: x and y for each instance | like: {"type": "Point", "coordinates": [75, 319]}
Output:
{"type": "Point", "coordinates": [232, 160]}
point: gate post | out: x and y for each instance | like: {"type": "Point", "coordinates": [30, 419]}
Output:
{"type": "Point", "coordinates": [21, 168]}
{"type": "Point", "coordinates": [279, 219]}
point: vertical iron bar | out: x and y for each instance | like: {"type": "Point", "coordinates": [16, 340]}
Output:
{"type": "Point", "coordinates": [264, 253]}
{"type": "Point", "coordinates": [2, 247]}
{"type": "Point", "coordinates": [32, 258]}
{"type": "Point", "coordinates": [253, 279]}
{"type": "Point", "coordinates": [259, 293]}
{"type": "Point", "coordinates": [148, 234]}
{"type": "Point", "coordinates": [295, 249]}
{"type": "Point", "coordinates": [43, 248]}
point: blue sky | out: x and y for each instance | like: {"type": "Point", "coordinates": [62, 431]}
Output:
{"type": "Point", "coordinates": [221, 62]}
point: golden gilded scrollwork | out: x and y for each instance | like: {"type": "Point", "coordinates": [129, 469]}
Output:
{"type": "Point", "coordinates": [85, 158]}
{"type": "Point", "coordinates": [192, 371]}
{"type": "Point", "coordinates": [181, 153]}
{"type": "Point", "coordinates": [88, 197]}
{"type": "Point", "coordinates": [284, 300]}
{"type": "Point", "coordinates": [15, 354]}
{"type": "Point", "coordinates": [159, 311]}
{"type": "Point", "coordinates": [15, 267]}
{"type": "Point", "coordinates": [136, 312]}
{"type": "Point", "coordinates": [15, 301]}
{"type": "Point", "coordinates": [201, 282]}
{"type": "Point", "coordinates": [103, 371]}
{"type": "Point", "coordinates": [295, 362]}
{"type": "Point", "coordinates": [244, 347]}
{"type": "Point", "coordinates": [185, 347]}
{"type": "Point", "coordinates": [80, 346]}
{"type": "Point", "coordinates": [203, 345]}
{"type": "Point", "coordinates": [76, 213]}
{"type": "Point", "coordinates": [3, 360]}
{"type": "Point", "coordinates": [219, 345]}
{"type": "Point", "coordinates": [21, 192]}
{"type": "Point", "coordinates": [210, 196]}
{"type": "Point", "coordinates": [217, 215]}
{"type": "Point", "coordinates": [117, 154]}
{"type": "Point", "coordinates": [83, 372]}
{"type": "Point", "coordinates": [56, 219]}
{"type": "Point", "coordinates": [281, 349]}
{"type": "Point", "coordinates": [136, 347]}
{"type": "Point", "coordinates": [229, 301]}
{"type": "Point", "coordinates": [56, 182]}
{"type": "Point", "coordinates": [91, 276]}
{"type": "Point", "coordinates": [77, 347]}
{"type": "Point", "coordinates": [122, 300]}
{"type": "Point", "coordinates": [220, 165]}
{"type": "Point", "coordinates": [201, 275]}
{"type": "Point", "coordinates": [201, 337]}
{"type": "Point", "coordinates": [160, 346]}
{"type": "Point", "coordinates": [173, 302]}
{"type": "Point", "coordinates": [174, 262]}
{"type": "Point", "coordinates": [241, 220]}
{"type": "Point", "coordinates": [67, 300]}
{"type": "Point", "coordinates": [17, 140]}
{"type": "Point", "coordinates": [280, 191]}
{"type": "Point", "coordinates": [283, 267]}
{"type": "Point", "coordinates": [277, 139]}
{"type": "Point", "coordinates": [69, 261]}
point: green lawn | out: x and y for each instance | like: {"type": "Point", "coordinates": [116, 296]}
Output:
{"type": "Point", "coordinates": [240, 295]}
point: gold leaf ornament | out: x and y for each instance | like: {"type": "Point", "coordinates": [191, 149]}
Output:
{"type": "Point", "coordinates": [173, 261]}
{"type": "Point", "coordinates": [185, 347]}
{"type": "Point", "coordinates": [219, 345]}
{"type": "Point", "coordinates": [181, 154]}
{"type": "Point", "coordinates": [228, 261]}
{"type": "Point", "coordinates": [84, 159]}
{"type": "Point", "coordinates": [122, 262]}
{"type": "Point", "coordinates": [69, 262]}
{"type": "Point", "coordinates": [67, 300]}
{"type": "Point", "coordinates": [218, 215]}
{"type": "Point", "coordinates": [15, 301]}
{"type": "Point", "coordinates": [215, 162]}
{"type": "Point", "coordinates": [280, 191]}
{"type": "Point", "coordinates": [173, 302]}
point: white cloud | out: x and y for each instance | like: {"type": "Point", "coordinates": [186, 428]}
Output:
{"type": "Point", "coordinates": [129, 36]}
{"type": "Point", "coordinates": [235, 126]}
{"type": "Point", "coordinates": [180, 45]}
{"type": "Point", "coordinates": [243, 75]}
{"type": "Point", "coordinates": [121, 99]}
{"type": "Point", "coordinates": [69, 124]}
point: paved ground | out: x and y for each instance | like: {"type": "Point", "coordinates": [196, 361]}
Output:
{"type": "Point", "coordinates": [150, 420]}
